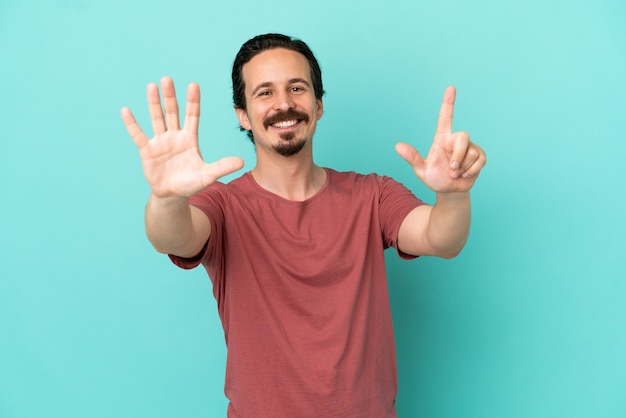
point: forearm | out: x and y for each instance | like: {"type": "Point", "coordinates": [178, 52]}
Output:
{"type": "Point", "coordinates": [169, 225]}
{"type": "Point", "coordinates": [448, 225]}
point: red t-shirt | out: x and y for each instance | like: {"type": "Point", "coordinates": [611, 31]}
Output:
{"type": "Point", "coordinates": [301, 291]}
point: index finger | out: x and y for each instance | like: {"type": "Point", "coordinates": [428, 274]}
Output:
{"type": "Point", "coordinates": [444, 125]}
{"type": "Point", "coordinates": [192, 109]}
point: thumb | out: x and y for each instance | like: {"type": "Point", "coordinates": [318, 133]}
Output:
{"type": "Point", "coordinates": [221, 168]}
{"type": "Point", "coordinates": [411, 156]}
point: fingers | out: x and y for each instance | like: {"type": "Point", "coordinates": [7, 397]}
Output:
{"type": "Point", "coordinates": [446, 113]}
{"type": "Point", "coordinates": [134, 130]}
{"type": "Point", "coordinates": [460, 143]}
{"type": "Point", "coordinates": [170, 103]}
{"type": "Point", "coordinates": [161, 123]}
{"type": "Point", "coordinates": [170, 120]}
{"type": "Point", "coordinates": [467, 158]}
{"type": "Point", "coordinates": [474, 162]}
{"type": "Point", "coordinates": [192, 109]}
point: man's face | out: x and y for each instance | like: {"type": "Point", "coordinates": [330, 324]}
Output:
{"type": "Point", "coordinates": [282, 110]}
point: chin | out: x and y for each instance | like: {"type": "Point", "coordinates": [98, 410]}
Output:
{"type": "Point", "coordinates": [290, 147]}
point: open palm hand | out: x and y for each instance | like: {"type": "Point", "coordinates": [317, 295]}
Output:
{"type": "Point", "coordinates": [172, 163]}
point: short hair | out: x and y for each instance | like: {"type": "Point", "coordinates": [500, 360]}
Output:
{"type": "Point", "coordinates": [262, 43]}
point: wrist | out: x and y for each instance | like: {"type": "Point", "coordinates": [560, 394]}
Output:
{"type": "Point", "coordinates": [453, 197]}
{"type": "Point", "coordinates": [167, 202]}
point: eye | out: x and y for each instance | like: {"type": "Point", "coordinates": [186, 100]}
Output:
{"type": "Point", "coordinates": [264, 93]}
{"type": "Point", "coordinates": [297, 89]}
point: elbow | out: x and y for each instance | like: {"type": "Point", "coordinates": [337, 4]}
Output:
{"type": "Point", "coordinates": [449, 252]}
{"type": "Point", "coordinates": [157, 245]}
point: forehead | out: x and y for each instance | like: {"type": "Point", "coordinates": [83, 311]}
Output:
{"type": "Point", "coordinates": [275, 66]}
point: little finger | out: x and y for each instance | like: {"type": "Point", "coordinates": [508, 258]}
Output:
{"type": "Point", "coordinates": [134, 130]}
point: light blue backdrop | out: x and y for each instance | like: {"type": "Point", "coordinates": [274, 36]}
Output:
{"type": "Point", "coordinates": [528, 322]}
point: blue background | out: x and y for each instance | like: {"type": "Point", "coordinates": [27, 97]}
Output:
{"type": "Point", "coordinates": [528, 322]}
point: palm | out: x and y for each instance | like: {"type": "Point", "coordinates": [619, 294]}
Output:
{"type": "Point", "coordinates": [172, 164]}
{"type": "Point", "coordinates": [436, 171]}
{"type": "Point", "coordinates": [171, 160]}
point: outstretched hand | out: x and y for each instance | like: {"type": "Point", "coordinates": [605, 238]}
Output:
{"type": "Point", "coordinates": [171, 160]}
{"type": "Point", "coordinates": [453, 162]}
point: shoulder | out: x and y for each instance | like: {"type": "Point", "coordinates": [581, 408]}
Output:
{"type": "Point", "coordinates": [357, 181]}
{"type": "Point", "coordinates": [217, 199]}
{"type": "Point", "coordinates": [383, 189]}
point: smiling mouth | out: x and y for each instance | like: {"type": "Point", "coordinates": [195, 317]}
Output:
{"type": "Point", "coordinates": [286, 119]}
{"type": "Point", "coordinates": [286, 124]}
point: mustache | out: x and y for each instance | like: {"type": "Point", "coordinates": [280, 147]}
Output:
{"type": "Point", "coordinates": [290, 114]}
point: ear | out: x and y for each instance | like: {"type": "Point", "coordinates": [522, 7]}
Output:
{"type": "Point", "coordinates": [242, 115]}
{"type": "Point", "coordinates": [320, 108]}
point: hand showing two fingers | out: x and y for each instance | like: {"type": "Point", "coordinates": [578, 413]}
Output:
{"type": "Point", "coordinates": [171, 160]}
{"type": "Point", "coordinates": [453, 162]}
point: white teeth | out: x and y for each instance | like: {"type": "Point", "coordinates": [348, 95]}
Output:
{"type": "Point", "coordinates": [285, 124]}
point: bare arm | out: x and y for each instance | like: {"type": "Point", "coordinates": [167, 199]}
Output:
{"type": "Point", "coordinates": [175, 227]}
{"type": "Point", "coordinates": [175, 170]}
{"type": "Point", "coordinates": [440, 230]}
{"type": "Point", "coordinates": [450, 170]}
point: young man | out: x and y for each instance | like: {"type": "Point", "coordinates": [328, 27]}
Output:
{"type": "Point", "coordinates": [295, 250]}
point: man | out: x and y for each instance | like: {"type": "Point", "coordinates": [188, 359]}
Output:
{"type": "Point", "coordinates": [294, 250]}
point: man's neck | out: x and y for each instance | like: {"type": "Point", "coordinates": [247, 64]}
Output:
{"type": "Point", "coordinates": [292, 178]}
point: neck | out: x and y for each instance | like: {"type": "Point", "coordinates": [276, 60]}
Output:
{"type": "Point", "coordinates": [292, 178]}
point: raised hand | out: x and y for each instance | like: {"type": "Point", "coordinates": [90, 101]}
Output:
{"type": "Point", "coordinates": [453, 162]}
{"type": "Point", "coordinates": [171, 160]}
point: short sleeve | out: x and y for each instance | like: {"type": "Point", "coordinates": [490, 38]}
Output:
{"type": "Point", "coordinates": [395, 203]}
{"type": "Point", "coordinates": [208, 201]}
{"type": "Point", "coordinates": [188, 263]}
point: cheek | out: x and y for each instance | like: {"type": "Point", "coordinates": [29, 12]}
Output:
{"type": "Point", "coordinates": [255, 115]}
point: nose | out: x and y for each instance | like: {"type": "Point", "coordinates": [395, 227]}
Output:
{"type": "Point", "coordinates": [284, 101]}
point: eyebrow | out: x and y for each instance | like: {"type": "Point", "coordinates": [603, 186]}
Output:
{"type": "Point", "coordinates": [270, 84]}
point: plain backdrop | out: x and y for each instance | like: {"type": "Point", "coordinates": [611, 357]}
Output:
{"type": "Point", "coordinates": [529, 321]}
